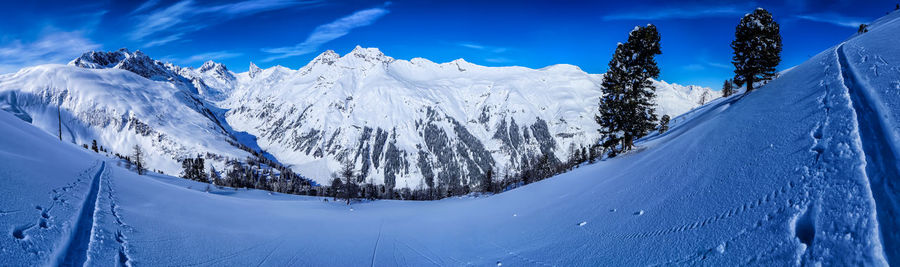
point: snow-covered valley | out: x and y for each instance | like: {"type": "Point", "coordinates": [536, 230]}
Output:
{"type": "Point", "coordinates": [801, 171]}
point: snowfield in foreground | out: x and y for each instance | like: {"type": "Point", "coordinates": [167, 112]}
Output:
{"type": "Point", "coordinates": [801, 171]}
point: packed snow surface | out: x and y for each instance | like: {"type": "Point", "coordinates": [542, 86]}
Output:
{"type": "Point", "coordinates": [801, 171]}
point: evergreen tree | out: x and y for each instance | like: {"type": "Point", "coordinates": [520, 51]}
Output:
{"type": "Point", "coordinates": [337, 186]}
{"type": "Point", "coordinates": [584, 154]}
{"type": "Point", "coordinates": [727, 88]}
{"type": "Point", "coordinates": [626, 108]}
{"type": "Point", "coordinates": [214, 176]}
{"type": "Point", "coordinates": [138, 157]}
{"type": "Point", "coordinates": [348, 175]}
{"type": "Point", "coordinates": [703, 98]}
{"type": "Point", "coordinates": [193, 169]}
{"type": "Point", "coordinates": [94, 146]}
{"type": "Point", "coordinates": [663, 124]}
{"type": "Point", "coordinates": [592, 153]}
{"type": "Point", "coordinates": [59, 120]}
{"type": "Point", "coordinates": [757, 48]}
{"type": "Point", "coordinates": [487, 181]}
{"type": "Point", "coordinates": [199, 170]}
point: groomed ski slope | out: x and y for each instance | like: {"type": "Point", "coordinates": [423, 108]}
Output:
{"type": "Point", "coordinates": [796, 172]}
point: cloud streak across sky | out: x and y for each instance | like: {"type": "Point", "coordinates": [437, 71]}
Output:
{"type": "Point", "coordinates": [330, 31]}
{"type": "Point", "coordinates": [692, 12]}
{"type": "Point", "coordinates": [168, 24]}
{"type": "Point", "coordinates": [834, 19]}
{"type": "Point", "coordinates": [54, 47]}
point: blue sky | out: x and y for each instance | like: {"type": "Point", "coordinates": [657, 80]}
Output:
{"type": "Point", "coordinates": [695, 34]}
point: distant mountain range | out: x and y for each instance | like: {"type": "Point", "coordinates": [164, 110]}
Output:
{"type": "Point", "coordinates": [400, 122]}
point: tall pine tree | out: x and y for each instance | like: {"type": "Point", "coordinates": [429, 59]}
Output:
{"type": "Point", "coordinates": [757, 48]}
{"type": "Point", "coordinates": [727, 88]}
{"type": "Point", "coordinates": [663, 124]}
{"type": "Point", "coordinates": [627, 108]}
{"type": "Point", "coordinates": [138, 157]}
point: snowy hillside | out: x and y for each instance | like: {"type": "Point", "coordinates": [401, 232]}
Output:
{"type": "Point", "coordinates": [801, 171]}
{"type": "Point", "coordinates": [119, 109]}
{"type": "Point", "coordinates": [403, 123]}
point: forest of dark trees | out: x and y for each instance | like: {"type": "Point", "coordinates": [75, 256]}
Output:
{"type": "Point", "coordinates": [260, 172]}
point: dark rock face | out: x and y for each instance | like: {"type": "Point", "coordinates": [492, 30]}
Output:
{"type": "Point", "coordinates": [218, 70]}
{"type": "Point", "coordinates": [140, 64]}
{"type": "Point", "coordinates": [543, 137]}
{"type": "Point", "coordinates": [100, 59]}
{"type": "Point", "coordinates": [394, 163]}
{"type": "Point", "coordinates": [136, 62]}
{"type": "Point", "coordinates": [378, 148]}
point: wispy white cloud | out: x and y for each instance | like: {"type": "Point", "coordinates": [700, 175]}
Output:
{"type": "Point", "coordinates": [718, 65]}
{"type": "Point", "coordinates": [498, 60]}
{"type": "Point", "coordinates": [161, 20]}
{"type": "Point", "coordinates": [492, 49]}
{"type": "Point", "coordinates": [683, 12]}
{"type": "Point", "coordinates": [217, 55]}
{"type": "Point", "coordinates": [488, 53]}
{"type": "Point", "coordinates": [52, 47]}
{"type": "Point", "coordinates": [693, 67]}
{"type": "Point", "coordinates": [327, 32]}
{"type": "Point", "coordinates": [705, 65]}
{"type": "Point", "coordinates": [186, 16]}
{"type": "Point", "coordinates": [164, 40]}
{"type": "Point", "coordinates": [835, 19]}
{"type": "Point", "coordinates": [145, 6]}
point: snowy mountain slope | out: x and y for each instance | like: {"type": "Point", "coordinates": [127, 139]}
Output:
{"type": "Point", "coordinates": [119, 109]}
{"type": "Point", "coordinates": [780, 176]}
{"type": "Point", "coordinates": [401, 121]}
{"type": "Point", "coordinates": [870, 65]}
{"type": "Point", "coordinates": [45, 184]}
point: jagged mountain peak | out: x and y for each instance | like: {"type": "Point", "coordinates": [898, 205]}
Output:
{"type": "Point", "coordinates": [369, 52]}
{"type": "Point", "coordinates": [254, 70]}
{"type": "Point", "coordinates": [101, 59]}
{"type": "Point", "coordinates": [212, 65]}
{"type": "Point", "coordinates": [361, 55]}
{"type": "Point", "coordinates": [328, 57]}
{"type": "Point", "coordinates": [136, 62]}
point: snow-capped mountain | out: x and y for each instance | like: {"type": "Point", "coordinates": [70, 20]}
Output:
{"type": "Point", "coordinates": [122, 99]}
{"type": "Point", "coordinates": [405, 123]}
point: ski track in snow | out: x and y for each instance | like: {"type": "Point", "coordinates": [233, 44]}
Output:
{"type": "Point", "coordinates": [29, 233]}
{"type": "Point", "coordinates": [121, 240]}
{"type": "Point", "coordinates": [378, 239]}
{"type": "Point", "coordinates": [881, 169]}
{"type": "Point", "coordinates": [75, 253]}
